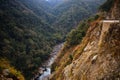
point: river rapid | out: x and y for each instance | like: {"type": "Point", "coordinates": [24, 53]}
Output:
{"type": "Point", "coordinates": [45, 71]}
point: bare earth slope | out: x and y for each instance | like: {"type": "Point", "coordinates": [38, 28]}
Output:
{"type": "Point", "coordinates": [98, 55]}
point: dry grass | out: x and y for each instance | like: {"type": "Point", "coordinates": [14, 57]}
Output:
{"type": "Point", "coordinates": [4, 64]}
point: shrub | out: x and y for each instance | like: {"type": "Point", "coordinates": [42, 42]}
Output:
{"type": "Point", "coordinates": [13, 73]}
{"type": "Point", "coordinates": [76, 35]}
{"type": "Point", "coordinates": [107, 5]}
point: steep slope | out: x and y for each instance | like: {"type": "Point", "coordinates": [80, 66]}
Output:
{"type": "Point", "coordinates": [97, 56]}
{"type": "Point", "coordinates": [63, 15]}
{"type": "Point", "coordinates": [71, 12]}
{"type": "Point", "coordinates": [25, 40]}
{"type": "Point", "coordinates": [9, 72]}
{"type": "Point", "coordinates": [41, 8]}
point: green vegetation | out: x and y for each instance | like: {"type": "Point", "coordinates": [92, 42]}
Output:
{"type": "Point", "coordinates": [75, 50]}
{"type": "Point", "coordinates": [76, 35]}
{"type": "Point", "coordinates": [25, 40]}
{"type": "Point", "coordinates": [71, 12]}
{"type": "Point", "coordinates": [71, 57]}
{"type": "Point", "coordinates": [107, 5]}
{"type": "Point", "coordinates": [73, 47]}
{"type": "Point", "coordinates": [7, 71]}
{"type": "Point", "coordinates": [29, 30]}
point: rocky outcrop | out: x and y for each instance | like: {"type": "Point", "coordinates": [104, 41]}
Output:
{"type": "Point", "coordinates": [98, 55]}
{"type": "Point", "coordinates": [100, 59]}
{"type": "Point", "coordinates": [115, 11]}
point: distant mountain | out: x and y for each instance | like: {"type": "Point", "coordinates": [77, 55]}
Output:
{"type": "Point", "coordinates": [96, 54]}
{"type": "Point", "coordinates": [71, 12]}
{"type": "Point", "coordinates": [54, 3]}
{"type": "Point", "coordinates": [63, 15]}
{"type": "Point", "coordinates": [30, 28]}
{"type": "Point", "coordinates": [41, 8]}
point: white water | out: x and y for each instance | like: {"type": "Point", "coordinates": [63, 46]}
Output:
{"type": "Point", "coordinates": [47, 73]}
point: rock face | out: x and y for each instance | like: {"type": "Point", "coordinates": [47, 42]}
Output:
{"type": "Point", "coordinates": [98, 55]}
{"type": "Point", "coordinates": [115, 11]}
{"type": "Point", "coordinates": [100, 58]}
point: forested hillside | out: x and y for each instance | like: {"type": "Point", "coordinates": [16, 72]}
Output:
{"type": "Point", "coordinates": [71, 12]}
{"type": "Point", "coordinates": [25, 40]}
{"type": "Point", "coordinates": [63, 14]}
{"type": "Point", "coordinates": [30, 28]}
{"type": "Point", "coordinates": [96, 54]}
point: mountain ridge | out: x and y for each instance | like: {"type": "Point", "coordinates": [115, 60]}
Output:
{"type": "Point", "coordinates": [96, 57]}
{"type": "Point", "coordinates": [27, 35]}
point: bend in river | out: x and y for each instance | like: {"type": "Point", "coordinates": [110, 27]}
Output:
{"type": "Point", "coordinates": [44, 72]}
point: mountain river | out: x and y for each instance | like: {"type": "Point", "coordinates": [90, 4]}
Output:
{"type": "Point", "coordinates": [44, 72]}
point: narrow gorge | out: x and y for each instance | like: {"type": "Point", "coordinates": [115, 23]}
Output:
{"type": "Point", "coordinates": [32, 33]}
{"type": "Point", "coordinates": [44, 71]}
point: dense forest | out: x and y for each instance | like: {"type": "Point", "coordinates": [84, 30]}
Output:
{"type": "Point", "coordinates": [30, 28]}
{"type": "Point", "coordinates": [25, 39]}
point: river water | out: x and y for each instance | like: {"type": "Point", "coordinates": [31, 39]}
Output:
{"type": "Point", "coordinates": [47, 69]}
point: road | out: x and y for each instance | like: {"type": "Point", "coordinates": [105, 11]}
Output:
{"type": "Point", "coordinates": [110, 21]}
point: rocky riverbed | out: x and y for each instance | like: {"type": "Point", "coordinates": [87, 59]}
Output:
{"type": "Point", "coordinates": [45, 71]}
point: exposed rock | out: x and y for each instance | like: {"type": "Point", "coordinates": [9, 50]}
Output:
{"type": "Point", "coordinates": [98, 55]}
{"type": "Point", "coordinates": [6, 72]}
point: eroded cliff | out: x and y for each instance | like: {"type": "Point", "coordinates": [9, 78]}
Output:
{"type": "Point", "coordinates": [98, 55]}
